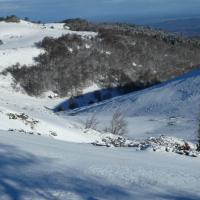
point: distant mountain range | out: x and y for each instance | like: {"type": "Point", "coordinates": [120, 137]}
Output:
{"type": "Point", "coordinates": [187, 27]}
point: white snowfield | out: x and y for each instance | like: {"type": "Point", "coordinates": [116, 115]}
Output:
{"type": "Point", "coordinates": [34, 167]}
{"type": "Point", "coordinates": [19, 40]}
{"type": "Point", "coordinates": [48, 122]}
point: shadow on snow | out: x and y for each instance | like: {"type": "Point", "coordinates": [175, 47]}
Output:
{"type": "Point", "coordinates": [26, 176]}
{"type": "Point", "coordinates": [22, 176]}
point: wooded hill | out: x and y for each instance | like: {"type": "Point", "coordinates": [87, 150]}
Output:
{"type": "Point", "coordinates": [126, 56]}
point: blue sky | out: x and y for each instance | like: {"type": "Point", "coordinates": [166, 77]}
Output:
{"type": "Point", "coordinates": [118, 10]}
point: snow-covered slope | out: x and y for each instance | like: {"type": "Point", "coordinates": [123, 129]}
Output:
{"type": "Point", "coordinates": [19, 46]}
{"type": "Point", "coordinates": [148, 112]}
{"type": "Point", "coordinates": [19, 40]}
{"type": "Point", "coordinates": [170, 108]}
{"type": "Point", "coordinates": [178, 97]}
{"type": "Point", "coordinates": [35, 168]}
{"type": "Point", "coordinates": [40, 120]}
{"type": "Point", "coordinates": [19, 43]}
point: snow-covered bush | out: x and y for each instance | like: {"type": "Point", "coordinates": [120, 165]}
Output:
{"type": "Point", "coordinates": [160, 144]}
{"type": "Point", "coordinates": [53, 133]}
{"type": "Point", "coordinates": [23, 117]}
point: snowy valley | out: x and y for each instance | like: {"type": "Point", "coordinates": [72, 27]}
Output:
{"type": "Point", "coordinates": [51, 155]}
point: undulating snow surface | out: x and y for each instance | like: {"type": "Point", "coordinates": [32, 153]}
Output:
{"type": "Point", "coordinates": [34, 167]}
{"type": "Point", "coordinates": [37, 109]}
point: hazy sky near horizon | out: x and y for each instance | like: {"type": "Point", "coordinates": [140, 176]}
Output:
{"type": "Point", "coordinates": [50, 10]}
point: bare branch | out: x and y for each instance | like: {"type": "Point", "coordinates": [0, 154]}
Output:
{"type": "Point", "coordinates": [91, 122]}
{"type": "Point", "coordinates": [118, 124]}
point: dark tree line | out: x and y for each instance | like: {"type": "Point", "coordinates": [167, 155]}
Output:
{"type": "Point", "coordinates": [11, 18]}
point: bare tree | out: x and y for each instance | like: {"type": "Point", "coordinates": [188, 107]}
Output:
{"type": "Point", "coordinates": [118, 125]}
{"type": "Point", "coordinates": [91, 122]}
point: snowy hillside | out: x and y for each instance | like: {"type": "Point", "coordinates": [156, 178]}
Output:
{"type": "Point", "coordinates": [35, 168]}
{"type": "Point", "coordinates": [38, 119]}
{"type": "Point", "coordinates": [178, 97]}
{"type": "Point", "coordinates": [19, 40]}
{"type": "Point", "coordinates": [19, 43]}
{"type": "Point", "coordinates": [149, 113]}
{"type": "Point", "coordinates": [19, 112]}
{"type": "Point", "coordinates": [170, 108]}
{"type": "Point", "coordinates": [34, 165]}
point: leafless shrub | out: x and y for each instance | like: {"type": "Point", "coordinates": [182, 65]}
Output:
{"type": "Point", "coordinates": [118, 125]}
{"type": "Point", "coordinates": [91, 122]}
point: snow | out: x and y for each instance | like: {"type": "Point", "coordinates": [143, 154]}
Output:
{"type": "Point", "coordinates": [134, 64]}
{"type": "Point", "coordinates": [160, 144]}
{"type": "Point", "coordinates": [23, 56]}
{"type": "Point", "coordinates": [148, 112]}
{"type": "Point", "coordinates": [170, 108]}
{"type": "Point", "coordinates": [87, 46]}
{"type": "Point", "coordinates": [93, 87]}
{"type": "Point", "coordinates": [34, 167]}
{"type": "Point", "coordinates": [19, 47]}
{"type": "Point", "coordinates": [40, 109]}
{"type": "Point", "coordinates": [178, 97]}
{"type": "Point", "coordinates": [19, 40]}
